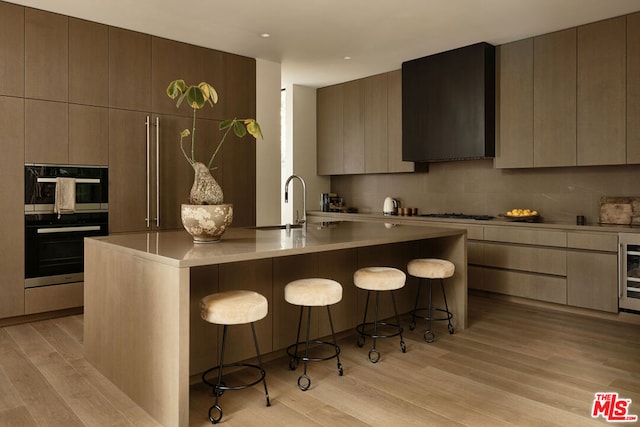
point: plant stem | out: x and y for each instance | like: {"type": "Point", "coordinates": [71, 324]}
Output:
{"type": "Point", "coordinates": [213, 156]}
{"type": "Point", "coordinates": [193, 138]}
{"type": "Point", "coordinates": [184, 152]}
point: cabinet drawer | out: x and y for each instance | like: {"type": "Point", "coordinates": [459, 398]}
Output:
{"type": "Point", "coordinates": [475, 253]}
{"type": "Point", "coordinates": [526, 258]}
{"type": "Point", "coordinates": [526, 236]}
{"type": "Point", "coordinates": [526, 285]}
{"type": "Point", "coordinates": [593, 241]}
{"type": "Point", "coordinates": [56, 297]}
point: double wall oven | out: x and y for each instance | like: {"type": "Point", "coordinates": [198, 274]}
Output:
{"type": "Point", "coordinates": [54, 244]}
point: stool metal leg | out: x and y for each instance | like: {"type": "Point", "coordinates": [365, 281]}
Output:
{"type": "Point", "coordinates": [293, 362]}
{"type": "Point", "coordinates": [304, 382]}
{"type": "Point", "coordinates": [262, 371]}
{"type": "Point", "coordinates": [412, 325]}
{"type": "Point", "coordinates": [446, 307]}
{"type": "Point", "coordinates": [335, 342]}
{"type": "Point", "coordinates": [215, 411]}
{"type": "Point", "coordinates": [361, 336]}
{"type": "Point", "coordinates": [403, 347]}
{"type": "Point", "coordinates": [429, 335]}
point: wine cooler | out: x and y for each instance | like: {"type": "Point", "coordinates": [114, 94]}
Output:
{"type": "Point", "coordinates": [629, 275]}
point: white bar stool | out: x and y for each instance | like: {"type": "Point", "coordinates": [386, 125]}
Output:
{"type": "Point", "coordinates": [378, 279]}
{"type": "Point", "coordinates": [312, 292]}
{"type": "Point", "coordinates": [233, 308]}
{"type": "Point", "coordinates": [431, 269]}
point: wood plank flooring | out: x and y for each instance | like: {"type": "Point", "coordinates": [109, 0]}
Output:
{"type": "Point", "coordinates": [514, 365]}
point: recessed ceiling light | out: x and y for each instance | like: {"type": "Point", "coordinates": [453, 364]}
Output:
{"type": "Point", "coordinates": [347, 58]}
{"type": "Point", "coordinates": [265, 35]}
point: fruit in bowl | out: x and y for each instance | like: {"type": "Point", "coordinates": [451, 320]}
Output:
{"type": "Point", "coordinates": [522, 212]}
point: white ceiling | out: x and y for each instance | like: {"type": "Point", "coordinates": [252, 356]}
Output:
{"type": "Point", "coordinates": [310, 38]}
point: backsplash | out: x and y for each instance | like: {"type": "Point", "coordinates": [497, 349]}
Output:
{"type": "Point", "coordinates": [476, 187]}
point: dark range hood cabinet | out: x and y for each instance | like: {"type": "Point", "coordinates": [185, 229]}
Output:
{"type": "Point", "coordinates": [448, 105]}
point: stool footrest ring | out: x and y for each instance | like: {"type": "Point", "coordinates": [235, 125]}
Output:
{"type": "Point", "coordinates": [301, 348]}
{"type": "Point", "coordinates": [218, 388]}
{"type": "Point", "coordinates": [449, 315]}
{"type": "Point", "coordinates": [361, 329]}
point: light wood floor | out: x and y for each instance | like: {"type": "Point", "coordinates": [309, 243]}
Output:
{"type": "Point", "coordinates": [514, 365]}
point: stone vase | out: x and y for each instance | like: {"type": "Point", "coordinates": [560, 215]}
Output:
{"type": "Point", "coordinates": [205, 189]}
{"type": "Point", "coordinates": [206, 223]}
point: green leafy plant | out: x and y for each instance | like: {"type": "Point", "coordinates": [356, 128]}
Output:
{"type": "Point", "coordinates": [197, 96]}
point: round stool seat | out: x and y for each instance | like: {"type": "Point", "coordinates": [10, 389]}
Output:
{"type": "Point", "coordinates": [233, 307]}
{"type": "Point", "coordinates": [431, 268]}
{"type": "Point", "coordinates": [379, 278]}
{"type": "Point", "coordinates": [313, 292]}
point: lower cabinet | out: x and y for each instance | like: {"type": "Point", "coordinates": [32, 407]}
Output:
{"type": "Point", "coordinates": [523, 284]}
{"type": "Point", "coordinates": [592, 280]}
{"type": "Point", "coordinates": [55, 297]}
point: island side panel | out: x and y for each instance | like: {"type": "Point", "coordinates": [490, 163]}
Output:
{"type": "Point", "coordinates": [136, 329]}
{"type": "Point", "coordinates": [454, 249]}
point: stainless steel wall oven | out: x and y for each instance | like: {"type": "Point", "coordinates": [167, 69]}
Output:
{"type": "Point", "coordinates": [54, 244]}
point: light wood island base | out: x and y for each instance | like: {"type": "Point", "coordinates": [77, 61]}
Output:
{"type": "Point", "coordinates": [142, 327]}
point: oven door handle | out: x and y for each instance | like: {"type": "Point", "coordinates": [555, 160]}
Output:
{"type": "Point", "coordinates": [78, 180]}
{"type": "Point", "coordinates": [68, 229]}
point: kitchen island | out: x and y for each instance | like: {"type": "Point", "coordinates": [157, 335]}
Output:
{"type": "Point", "coordinates": [142, 293]}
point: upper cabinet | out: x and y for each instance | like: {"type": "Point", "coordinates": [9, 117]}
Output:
{"type": "Point", "coordinates": [514, 97]}
{"type": "Point", "coordinates": [330, 128]}
{"type": "Point", "coordinates": [46, 55]}
{"type": "Point", "coordinates": [394, 124]}
{"type": "Point", "coordinates": [571, 97]}
{"type": "Point", "coordinates": [554, 99]}
{"type": "Point", "coordinates": [359, 126]}
{"type": "Point", "coordinates": [88, 63]}
{"type": "Point", "coordinates": [633, 88]}
{"type": "Point", "coordinates": [601, 100]}
{"type": "Point", "coordinates": [11, 49]}
{"type": "Point", "coordinates": [129, 70]}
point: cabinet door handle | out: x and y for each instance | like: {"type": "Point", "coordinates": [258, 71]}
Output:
{"type": "Point", "coordinates": [148, 184]}
{"type": "Point", "coordinates": [157, 171]}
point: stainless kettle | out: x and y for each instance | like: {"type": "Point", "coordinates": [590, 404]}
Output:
{"type": "Point", "coordinates": [390, 206]}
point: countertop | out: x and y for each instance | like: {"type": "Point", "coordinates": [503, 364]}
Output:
{"type": "Point", "coordinates": [398, 219]}
{"type": "Point", "coordinates": [176, 248]}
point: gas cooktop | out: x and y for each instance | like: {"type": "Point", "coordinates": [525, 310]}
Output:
{"type": "Point", "coordinates": [458, 216]}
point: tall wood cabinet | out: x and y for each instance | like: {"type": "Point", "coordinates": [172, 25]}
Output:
{"type": "Point", "coordinates": [11, 49]}
{"type": "Point", "coordinates": [359, 126]}
{"type": "Point", "coordinates": [142, 68]}
{"type": "Point", "coordinates": [12, 202]}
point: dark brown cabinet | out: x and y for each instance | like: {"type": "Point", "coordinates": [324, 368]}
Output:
{"type": "Point", "coordinates": [12, 202]}
{"type": "Point", "coordinates": [88, 63]}
{"type": "Point", "coordinates": [129, 70]}
{"type": "Point", "coordinates": [88, 135]}
{"type": "Point", "coordinates": [46, 55]}
{"type": "Point", "coordinates": [46, 132]}
{"type": "Point", "coordinates": [11, 49]}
